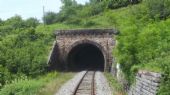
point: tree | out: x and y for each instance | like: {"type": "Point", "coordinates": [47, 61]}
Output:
{"type": "Point", "coordinates": [158, 8]}
{"type": "Point", "coordinates": [113, 4]}
{"type": "Point", "coordinates": [15, 21]}
{"type": "Point", "coordinates": [1, 21]}
{"type": "Point", "coordinates": [32, 22]}
{"type": "Point", "coordinates": [69, 9]}
{"type": "Point", "coordinates": [50, 18]}
{"type": "Point", "coordinates": [134, 1]}
{"type": "Point", "coordinates": [67, 3]}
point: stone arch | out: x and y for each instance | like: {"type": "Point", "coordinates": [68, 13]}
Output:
{"type": "Point", "coordinates": [66, 40]}
{"type": "Point", "coordinates": [91, 42]}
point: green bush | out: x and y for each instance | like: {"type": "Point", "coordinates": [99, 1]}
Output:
{"type": "Point", "coordinates": [165, 82]}
{"type": "Point", "coordinates": [113, 4]}
{"type": "Point", "coordinates": [1, 22]}
{"type": "Point", "coordinates": [49, 18]}
{"type": "Point", "coordinates": [25, 86]}
{"type": "Point", "coordinates": [5, 76]}
{"type": "Point", "coordinates": [23, 50]}
{"type": "Point", "coordinates": [24, 53]}
{"type": "Point", "coordinates": [31, 22]}
{"type": "Point", "coordinates": [158, 8]}
{"type": "Point", "coordinates": [73, 21]}
{"type": "Point", "coordinates": [141, 40]}
{"type": "Point", "coordinates": [115, 85]}
{"type": "Point", "coordinates": [97, 7]}
{"type": "Point", "coordinates": [22, 87]}
{"type": "Point", "coordinates": [88, 23]}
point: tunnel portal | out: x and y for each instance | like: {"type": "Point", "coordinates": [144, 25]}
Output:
{"type": "Point", "coordinates": [83, 49]}
{"type": "Point", "coordinates": [85, 56]}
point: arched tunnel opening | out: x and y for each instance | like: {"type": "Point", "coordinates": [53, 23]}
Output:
{"type": "Point", "coordinates": [85, 57]}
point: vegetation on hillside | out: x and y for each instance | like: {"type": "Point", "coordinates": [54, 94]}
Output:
{"type": "Point", "coordinates": [72, 13]}
{"type": "Point", "coordinates": [47, 84]}
{"type": "Point", "coordinates": [23, 50]}
{"type": "Point", "coordinates": [143, 42]}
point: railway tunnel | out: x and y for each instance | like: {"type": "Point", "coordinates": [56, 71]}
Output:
{"type": "Point", "coordinates": [83, 49]}
{"type": "Point", "coordinates": [85, 56]}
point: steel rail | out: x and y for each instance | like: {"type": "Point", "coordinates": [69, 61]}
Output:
{"type": "Point", "coordinates": [92, 84]}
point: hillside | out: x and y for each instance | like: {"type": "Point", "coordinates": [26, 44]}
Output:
{"type": "Point", "coordinates": [143, 42]}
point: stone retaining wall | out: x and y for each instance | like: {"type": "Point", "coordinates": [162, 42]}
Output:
{"type": "Point", "coordinates": [147, 83]}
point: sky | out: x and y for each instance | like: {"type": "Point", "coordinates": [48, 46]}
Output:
{"type": "Point", "coordinates": [29, 8]}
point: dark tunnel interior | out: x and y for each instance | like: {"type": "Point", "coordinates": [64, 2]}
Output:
{"type": "Point", "coordinates": [85, 56]}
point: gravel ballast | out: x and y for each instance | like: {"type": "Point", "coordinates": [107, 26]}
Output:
{"type": "Point", "coordinates": [101, 85]}
{"type": "Point", "coordinates": [69, 87]}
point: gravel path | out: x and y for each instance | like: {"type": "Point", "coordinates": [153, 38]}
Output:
{"type": "Point", "coordinates": [101, 84]}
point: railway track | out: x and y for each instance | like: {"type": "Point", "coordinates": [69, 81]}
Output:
{"type": "Point", "coordinates": [86, 86]}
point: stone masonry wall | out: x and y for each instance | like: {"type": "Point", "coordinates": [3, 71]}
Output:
{"type": "Point", "coordinates": [66, 40]}
{"type": "Point", "coordinates": [105, 42]}
{"type": "Point", "coordinates": [147, 83]}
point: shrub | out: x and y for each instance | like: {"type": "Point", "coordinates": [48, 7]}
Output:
{"type": "Point", "coordinates": [25, 86]}
{"type": "Point", "coordinates": [50, 18]}
{"type": "Point", "coordinates": [73, 21]}
{"type": "Point", "coordinates": [141, 42]}
{"type": "Point", "coordinates": [158, 8]}
{"type": "Point", "coordinates": [32, 22]}
{"type": "Point", "coordinates": [1, 22]}
{"type": "Point", "coordinates": [113, 4]}
{"type": "Point", "coordinates": [4, 76]}
{"type": "Point", "coordinates": [88, 23]}
{"type": "Point", "coordinates": [165, 82]}
{"type": "Point", "coordinates": [96, 8]}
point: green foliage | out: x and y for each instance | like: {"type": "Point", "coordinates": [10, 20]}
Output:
{"type": "Point", "coordinates": [140, 47]}
{"type": "Point", "coordinates": [53, 86]}
{"type": "Point", "coordinates": [26, 86]}
{"type": "Point", "coordinates": [97, 7]}
{"type": "Point", "coordinates": [15, 22]}
{"type": "Point", "coordinates": [23, 50]}
{"type": "Point", "coordinates": [1, 22]}
{"type": "Point", "coordinates": [47, 84]}
{"type": "Point", "coordinates": [69, 11]}
{"type": "Point", "coordinates": [165, 83]}
{"type": "Point", "coordinates": [143, 44]}
{"type": "Point", "coordinates": [113, 4]}
{"type": "Point", "coordinates": [24, 53]}
{"type": "Point", "coordinates": [32, 22]}
{"type": "Point", "coordinates": [158, 8]}
{"type": "Point", "coordinates": [115, 85]}
{"type": "Point", "coordinates": [22, 87]}
{"type": "Point", "coordinates": [72, 13]}
{"type": "Point", "coordinates": [50, 18]}
{"type": "Point", "coordinates": [4, 75]}
{"type": "Point", "coordinates": [135, 1]}
{"type": "Point", "coordinates": [89, 23]}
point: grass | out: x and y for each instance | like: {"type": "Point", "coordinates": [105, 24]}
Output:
{"type": "Point", "coordinates": [53, 86]}
{"type": "Point", "coordinates": [43, 85]}
{"type": "Point", "coordinates": [117, 88]}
